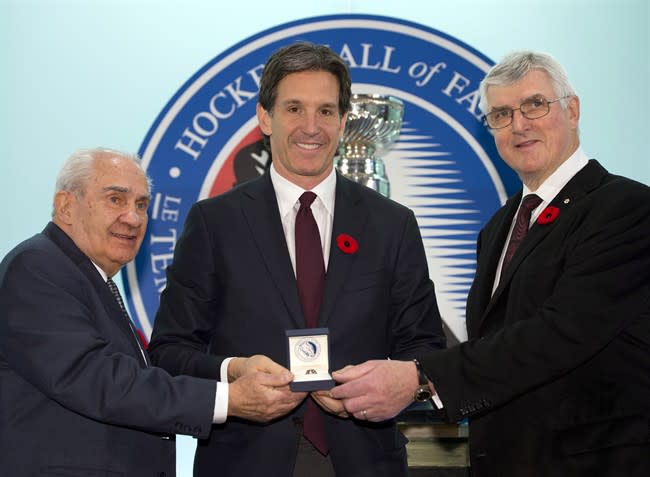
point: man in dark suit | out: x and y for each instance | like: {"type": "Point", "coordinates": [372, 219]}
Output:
{"type": "Point", "coordinates": [555, 377]}
{"type": "Point", "coordinates": [232, 289]}
{"type": "Point", "coordinates": [78, 396]}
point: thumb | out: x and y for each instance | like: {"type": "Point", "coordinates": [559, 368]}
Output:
{"type": "Point", "coordinates": [260, 362]}
{"type": "Point", "coordinates": [279, 379]}
{"type": "Point", "coordinates": [270, 366]}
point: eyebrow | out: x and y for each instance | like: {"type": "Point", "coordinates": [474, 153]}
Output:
{"type": "Point", "coordinates": [124, 190]}
{"type": "Point", "coordinates": [294, 102]}
{"type": "Point", "coordinates": [114, 188]}
{"type": "Point", "coordinates": [528, 98]}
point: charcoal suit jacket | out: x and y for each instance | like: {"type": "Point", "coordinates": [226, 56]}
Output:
{"type": "Point", "coordinates": [555, 376]}
{"type": "Point", "coordinates": [231, 291]}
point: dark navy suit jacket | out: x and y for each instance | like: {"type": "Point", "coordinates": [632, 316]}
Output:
{"type": "Point", "coordinates": [76, 397]}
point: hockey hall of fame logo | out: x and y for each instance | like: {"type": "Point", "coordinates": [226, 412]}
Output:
{"type": "Point", "coordinates": [444, 165]}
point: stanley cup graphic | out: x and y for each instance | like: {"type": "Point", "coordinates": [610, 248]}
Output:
{"type": "Point", "coordinates": [373, 125]}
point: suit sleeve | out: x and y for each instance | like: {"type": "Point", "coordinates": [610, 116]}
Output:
{"type": "Point", "coordinates": [185, 319]}
{"type": "Point", "coordinates": [56, 335]}
{"type": "Point", "coordinates": [585, 286]}
{"type": "Point", "coordinates": [416, 321]}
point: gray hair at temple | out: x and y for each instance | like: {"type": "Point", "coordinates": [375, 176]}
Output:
{"type": "Point", "coordinates": [303, 56]}
{"type": "Point", "coordinates": [516, 65]}
{"type": "Point", "coordinates": [79, 167]}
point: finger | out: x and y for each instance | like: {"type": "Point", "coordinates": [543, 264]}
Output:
{"type": "Point", "coordinates": [361, 415]}
{"type": "Point", "coordinates": [325, 393]}
{"type": "Point", "coordinates": [349, 373]}
{"type": "Point", "coordinates": [355, 405]}
{"type": "Point", "coordinates": [266, 364]}
{"type": "Point", "coordinates": [330, 405]}
{"type": "Point", "coordinates": [344, 369]}
{"type": "Point", "coordinates": [350, 389]}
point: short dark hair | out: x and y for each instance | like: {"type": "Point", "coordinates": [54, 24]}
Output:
{"type": "Point", "coordinates": [303, 56]}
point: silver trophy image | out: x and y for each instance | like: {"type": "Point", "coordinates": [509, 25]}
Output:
{"type": "Point", "coordinates": [373, 125]}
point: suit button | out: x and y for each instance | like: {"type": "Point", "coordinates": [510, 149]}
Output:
{"type": "Point", "coordinates": [162, 474]}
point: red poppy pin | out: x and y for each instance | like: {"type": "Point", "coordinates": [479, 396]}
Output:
{"type": "Point", "coordinates": [548, 215]}
{"type": "Point", "coordinates": [347, 244]}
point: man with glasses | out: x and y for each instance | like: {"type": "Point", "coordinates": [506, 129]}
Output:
{"type": "Point", "coordinates": [555, 376]}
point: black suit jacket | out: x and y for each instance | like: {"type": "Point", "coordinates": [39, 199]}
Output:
{"type": "Point", "coordinates": [231, 291]}
{"type": "Point", "coordinates": [555, 377]}
{"type": "Point", "coordinates": [76, 397]}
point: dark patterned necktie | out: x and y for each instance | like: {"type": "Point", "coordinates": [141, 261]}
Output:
{"type": "Point", "coordinates": [310, 277]}
{"type": "Point", "coordinates": [519, 231]}
{"type": "Point", "coordinates": [116, 294]}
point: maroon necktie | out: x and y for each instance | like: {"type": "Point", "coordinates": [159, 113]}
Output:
{"type": "Point", "coordinates": [310, 267]}
{"type": "Point", "coordinates": [519, 231]}
{"type": "Point", "coordinates": [310, 275]}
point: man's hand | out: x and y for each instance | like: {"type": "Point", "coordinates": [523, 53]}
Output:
{"type": "Point", "coordinates": [239, 367]}
{"type": "Point", "coordinates": [376, 390]}
{"type": "Point", "coordinates": [329, 404]}
{"type": "Point", "coordinates": [261, 396]}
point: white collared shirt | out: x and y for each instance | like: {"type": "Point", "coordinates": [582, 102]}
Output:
{"type": "Point", "coordinates": [288, 194]}
{"type": "Point", "coordinates": [547, 191]}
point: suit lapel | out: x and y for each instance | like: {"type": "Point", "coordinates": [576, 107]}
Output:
{"type": "Point", "coordinates": [112, 308]}
{"type": "Point", "coordinates": [492, 242]}
{"type": "Point", "coordinates": [260, 208]}
{"type": "Point", "coordinates": [577, 188]}
{"type": "Point", "coordinates": [350, 218]}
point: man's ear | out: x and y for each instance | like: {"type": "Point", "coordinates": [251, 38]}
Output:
{"type": "Point", "coordinates": [264, 119]}
{"type": "Point", "coordinates": [573, 109]}
{"type": "Point", "coordinates": [63, 203]}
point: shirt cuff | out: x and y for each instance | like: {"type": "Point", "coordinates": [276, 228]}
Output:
{"type": "Point", "coordinates": [221, 397]}
{"type": "Point", "coordinates": [437, 401]}
{"type": "Point", "coordinates": [220, 404]}
{"type": "Point", "coordinates": [223, 370]}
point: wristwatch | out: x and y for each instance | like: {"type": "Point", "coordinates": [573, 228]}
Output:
{"type": "Point", "coordinates": [422, 393]}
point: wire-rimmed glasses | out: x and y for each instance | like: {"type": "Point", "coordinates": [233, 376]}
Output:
{"type": "Point", "coordinates": [533, 108]}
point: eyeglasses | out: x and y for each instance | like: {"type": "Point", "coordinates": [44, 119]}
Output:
{"type": "Point", "coordinates": [533, 108]}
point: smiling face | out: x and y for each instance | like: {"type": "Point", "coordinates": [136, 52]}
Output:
{"type": "Point", "coordinates": [108, 220]}
{"type": "Point", "coordinates": [535, 148]}
{"type": "Point", "coordinates": [304, 126]}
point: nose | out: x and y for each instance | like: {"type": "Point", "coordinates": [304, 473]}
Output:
{"type": "Point", "coordinates": [133, 217]}
{"type": "Point", "coordinates": [519, 121]}
{"type": "Point", "coordinates": [310, 124]}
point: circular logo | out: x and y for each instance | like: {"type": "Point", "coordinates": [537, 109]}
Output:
{"type": "Point", "coordinates": [444, 165]}
{"type": "Point", "coordinates": [307, 350]}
